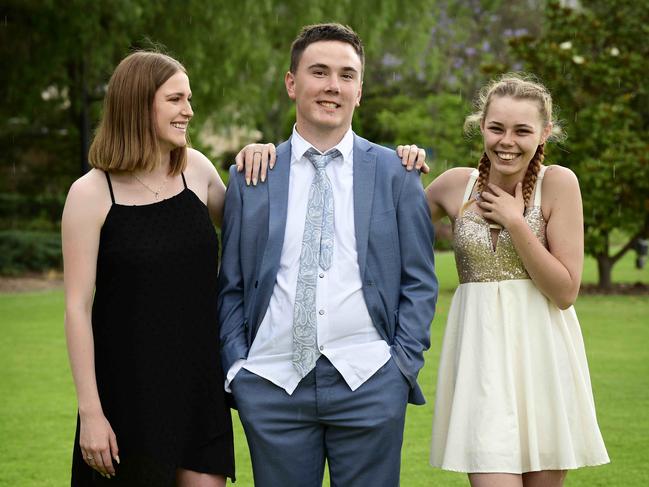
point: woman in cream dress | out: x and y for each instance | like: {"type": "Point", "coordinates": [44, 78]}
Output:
{"type": "Point", "coordinates": [514, 405]}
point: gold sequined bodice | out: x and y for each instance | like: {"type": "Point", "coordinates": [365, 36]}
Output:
{"type": "Point", "coordinates": [475, 257]}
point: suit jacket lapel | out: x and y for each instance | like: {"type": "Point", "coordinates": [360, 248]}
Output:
{"type": "Point", "coordinates": [278, 205]}
{"type": "Point", "coordinates": [364, 173]}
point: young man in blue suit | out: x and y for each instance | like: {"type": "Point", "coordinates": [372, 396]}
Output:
{"type": "Point", "coordinates": [327, 286]}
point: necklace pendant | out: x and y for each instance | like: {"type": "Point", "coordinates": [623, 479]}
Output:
{"type": "Point", "coordinates": [156, 194]}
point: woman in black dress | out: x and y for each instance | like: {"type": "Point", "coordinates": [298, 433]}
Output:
{"type": "Point", "coordinates": [141, 259]}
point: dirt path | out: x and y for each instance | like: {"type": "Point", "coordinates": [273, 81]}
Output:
{"type": "Point", "coordinates": [25, 284]}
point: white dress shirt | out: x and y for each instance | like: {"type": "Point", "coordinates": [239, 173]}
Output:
{"type": "Point", "coordinates": [345, 332]}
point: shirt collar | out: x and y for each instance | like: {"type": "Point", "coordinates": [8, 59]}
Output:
{"type": "Point", "coordinates": [299, 145]}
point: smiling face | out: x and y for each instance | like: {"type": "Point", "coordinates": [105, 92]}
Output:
{"type": "Point", "coordinates": [326, 88]}
{"type": "Point", "coordinates": [172, 112]}
{"type": "Point", "coordinates": [512, 130]}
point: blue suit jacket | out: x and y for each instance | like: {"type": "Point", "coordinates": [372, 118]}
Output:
{"type": "Point", "coordinates": [394, 239]}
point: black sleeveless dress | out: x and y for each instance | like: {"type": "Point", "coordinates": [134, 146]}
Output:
{"type": "Point", "coordinates": [156, 339]}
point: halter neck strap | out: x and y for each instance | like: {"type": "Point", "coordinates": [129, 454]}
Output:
{"type": "Point", "coordinates": [469, 185]}
{"type": "Point", "coordinates": [539, 186]}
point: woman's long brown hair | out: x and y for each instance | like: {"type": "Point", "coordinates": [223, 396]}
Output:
{"type": "Point", "coordinates": [126, 138]}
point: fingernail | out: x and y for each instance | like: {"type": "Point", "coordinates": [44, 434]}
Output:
{"type": "Point", "coordinates": [117, 459]}
{"type": "Point", "coordinates": [263, 178]}
{"type": "Point", "coordinates": [254, 182]}
{"type": "Point", "coordinates": [247, 182]}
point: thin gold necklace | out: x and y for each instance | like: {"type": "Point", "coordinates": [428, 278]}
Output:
{"type": "Point", "coordinates": [156, 194]}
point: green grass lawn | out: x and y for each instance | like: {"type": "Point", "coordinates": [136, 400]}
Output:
{"type": "Point", "coordinates": [38, 410]}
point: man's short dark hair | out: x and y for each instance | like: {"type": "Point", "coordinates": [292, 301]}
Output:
{"type": "Point", "coordinates": [325, 32]}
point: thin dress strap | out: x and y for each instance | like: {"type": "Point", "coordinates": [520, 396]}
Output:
{"type": "Point", "coordinates": [184, 182]}
{"type": "Point", "coordinates": [469, 185]}
{"type": "Point", "coordinates": [110, 187]}
{"type": "Point", "coordinates": [539, 186]}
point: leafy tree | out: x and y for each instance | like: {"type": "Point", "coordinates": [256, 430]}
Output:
{"type": "Point", "coordinates": [57, 56]}
{"type": "Point", "coordinates": [432, 120]}
{"type": "Point", "coordinates": [594, 61]}
{"type": "Point", "coordinates": [426, 101]}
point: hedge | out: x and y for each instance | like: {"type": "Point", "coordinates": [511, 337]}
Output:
{"type": "Point", "coordinates": [28, 251]}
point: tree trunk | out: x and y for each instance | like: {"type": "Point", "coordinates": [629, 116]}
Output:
{"type": "Point", "coordinates": [84, 121]}
{"type": "Point", "coordinates": [605, 262]}
{"type": "Point", "coordinates": [604, 268]}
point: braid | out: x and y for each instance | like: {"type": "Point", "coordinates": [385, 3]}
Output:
{"type": "Point", "coordinates": [483, 177]}
{"type": "Point", "coordinates": [483, 172]}
{"type": "Point", "coordinates": [532, 172]}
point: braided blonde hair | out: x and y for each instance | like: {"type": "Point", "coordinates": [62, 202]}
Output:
{"type": "Point", "coordinates": [522, 87]}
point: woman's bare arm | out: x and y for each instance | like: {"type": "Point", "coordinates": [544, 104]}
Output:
{"type": "Point", "coordinates": [83, 217]}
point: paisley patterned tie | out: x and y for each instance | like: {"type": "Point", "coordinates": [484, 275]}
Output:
{"type": "Point", "coordinates": [317, 249]}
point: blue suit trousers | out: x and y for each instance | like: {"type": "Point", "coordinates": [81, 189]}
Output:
{"type": "Point", "coordinates": [358, 433]}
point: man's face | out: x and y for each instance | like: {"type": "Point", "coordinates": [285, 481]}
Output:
{"type": "Point", "coordinates": [326, 88]}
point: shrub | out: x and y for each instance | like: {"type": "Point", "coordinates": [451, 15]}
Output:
{"type": "Point", "coordinates": [24, 251]}
{"type": "Point", "coordinates": [31, 212]}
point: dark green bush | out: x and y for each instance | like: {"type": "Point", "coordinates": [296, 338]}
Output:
{"type": "Point", "coordinates": [31, 212]}
{"type": "Point", "coordinates": [23, 251]}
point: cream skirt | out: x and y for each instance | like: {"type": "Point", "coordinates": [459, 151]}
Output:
{"type": "Point", "coordinates": [513, 391]}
